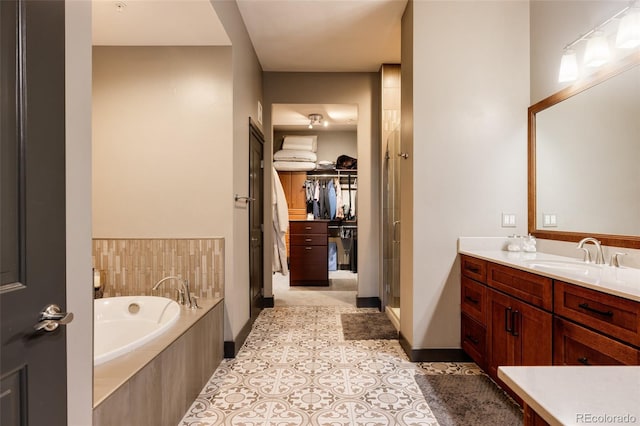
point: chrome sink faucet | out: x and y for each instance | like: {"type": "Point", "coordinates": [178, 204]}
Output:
{"type": "Point", "coordinates": [184, 294]}
{"type": "Point", "coordinates": [587, 255]}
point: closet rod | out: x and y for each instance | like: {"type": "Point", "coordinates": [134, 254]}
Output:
{"type": "Point", "coordinates": [343, 226]}
{"type": "Point", "coordinates": [331, 175]}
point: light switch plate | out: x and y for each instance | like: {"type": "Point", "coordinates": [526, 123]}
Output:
{"type": "Point", "coordinates": [508, 220]}
{"type": "Point", "coordinates": [549, 220]}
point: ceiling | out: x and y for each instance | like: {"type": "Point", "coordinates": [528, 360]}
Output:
{"type": "Point", "coordinates": [174, 23]}
{"type": "Point", "coordinates": [324, 35]}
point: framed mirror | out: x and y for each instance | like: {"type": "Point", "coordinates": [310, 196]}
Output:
{"type": "Point", "coordinates": [584, 159]}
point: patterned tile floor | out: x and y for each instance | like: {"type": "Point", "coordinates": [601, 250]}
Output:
{"type": "Point", "coordinates": [296, 369]}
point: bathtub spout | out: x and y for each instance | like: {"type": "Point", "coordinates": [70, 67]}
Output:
{"type": "Point", "coordinates": [185, 291]}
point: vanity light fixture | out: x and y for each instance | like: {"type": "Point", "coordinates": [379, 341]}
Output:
{"type": "Point", "coordinates": [597, 49]}
{"type": "Point", "coordinates": [568, 66]}
{"type": "Point", "coordinates": [628, 36]}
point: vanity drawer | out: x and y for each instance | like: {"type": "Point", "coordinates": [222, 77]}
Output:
{"type": "Point", "coordinates": [473, 300]}
{"type": "Point", "coordinates": [474, 268]}
{"type": "Point", "coordinates": [309, 240]}
{"type": "Point", "coordinates": [576, 345]}
{"type": "Point", "coordinates": [612, 315]}
{"type": "Point", "coordinates": [535, 289]}
{"type": "Point", "coordinates": [308, 227]}
{"type": "Point", "coordinates": [474, 340]}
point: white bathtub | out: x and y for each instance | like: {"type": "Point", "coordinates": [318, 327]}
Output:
{"type": "Point", "coordinates": [122, 324]}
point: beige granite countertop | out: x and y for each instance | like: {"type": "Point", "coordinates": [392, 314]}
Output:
{"type": "Point", "coordinates": [622, 281]}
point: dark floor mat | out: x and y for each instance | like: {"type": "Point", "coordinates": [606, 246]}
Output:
{"type": "Point", "coordinates": [457, 400]}
{"type": "Point", "coordinates": [367, 326]}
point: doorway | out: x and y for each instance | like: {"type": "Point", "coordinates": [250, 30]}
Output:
{"type": "Point", "coordinates": [331, 278]}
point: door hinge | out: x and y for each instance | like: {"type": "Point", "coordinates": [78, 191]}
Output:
{"type": "Point", "coordinates": [262, 164]}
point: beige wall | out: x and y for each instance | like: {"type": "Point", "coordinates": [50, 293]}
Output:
{"type": "Point", "coordinates": [470, 97]}
{"type": "Point", "coordinates": [78, 211]}
{"type": "Point", "coordinates": [247, 92]}
{"type": "Point", "coordinates": [161, 142]}
{"type": "Point", "coordinates": [337, 88]}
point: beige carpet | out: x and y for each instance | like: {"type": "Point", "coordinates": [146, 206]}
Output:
{"type": "Point", "coordinates": [342, 291]}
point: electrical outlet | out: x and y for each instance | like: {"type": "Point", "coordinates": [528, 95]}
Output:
{"type": "Point", "coordinates": [508, 220]}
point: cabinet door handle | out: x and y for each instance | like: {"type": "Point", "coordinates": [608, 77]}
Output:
{"type": "Point", "coordinates": [514, 321]}
{"type": "Point", "coordinates": [472, 300]}
{"type": "Point", "coordinates": [308, 228]}
{"type": "Point", "coordinates": [586, 307]}
{"type": "Point", "coordinates": [307, 240]}
{"type": "Point", "coordinates": [583, 360]}
{"type": "Point", "coordinates": [507, 317]}
{"type": "Point", "coordinates": [308, 248]}
{"type": "Point", "coordinates": [473, 269]}
{"type": "Point", "coordinates": [472, 339]}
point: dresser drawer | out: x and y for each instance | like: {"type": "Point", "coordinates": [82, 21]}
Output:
{"type": "Point", "coordinates": [309, 265]}
{"type": "Point", "coordinates": [612, 315]}
{"type": "Point", "coordinates": [576, 345]}
{"type": "Point", "coordinates": [474, 340]}
{"type": "Point", "coordinates": [473, 268]}
{"type": "Point", "coordinates": [532, 288]}
{"type": "Point", "coordinates": [308, 227]}
{"type": "Point", "coordinates": [473, 300]}
{"type": "Point", "coordinates": [309, 240]}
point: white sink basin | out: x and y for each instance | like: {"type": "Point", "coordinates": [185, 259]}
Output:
{"type": "Point", "coordinates": [567, 267]}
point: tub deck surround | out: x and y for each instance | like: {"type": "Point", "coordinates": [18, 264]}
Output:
{"type": "Point", "coordinates": [577, 395]}
{"type": "Point", "coordinates": [111, 375]}
{"type": "Point", "coordinates": [623, 282]}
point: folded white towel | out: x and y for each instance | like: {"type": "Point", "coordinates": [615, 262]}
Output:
{"type": "Point", "coordinates": [294, 155]}
{"type": "Point", "coordinates": [302, 143]}
{"type": "Point", "coordinates": [294, 166]}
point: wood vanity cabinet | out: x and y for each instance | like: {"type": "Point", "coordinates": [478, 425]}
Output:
{"type": "Point", "coordinates": [595, 329]}
{"type": "Point", "coordinates": [505, 318]}
{"type": "Point", "coordinates": [309, 253]}
{"type": "Point", "coordinates": [473, 304]}
{"type": "Point", "coordinates": [519, 333]}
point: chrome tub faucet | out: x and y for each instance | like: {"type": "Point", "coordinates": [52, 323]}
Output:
{"type": "Point", "coordinates": [184, 294]}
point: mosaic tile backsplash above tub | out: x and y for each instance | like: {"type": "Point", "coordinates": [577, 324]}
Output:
{"type": "Point", "coordinates": [130, 267]}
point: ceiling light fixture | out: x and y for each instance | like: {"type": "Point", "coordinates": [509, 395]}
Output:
{"type": "Point", "coordinates": [597, 49]}
{"type": "Point", "coordinates": [317, 119]}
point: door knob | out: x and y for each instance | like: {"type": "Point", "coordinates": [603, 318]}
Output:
{"type": "Point", "coordinates": [51, 317]}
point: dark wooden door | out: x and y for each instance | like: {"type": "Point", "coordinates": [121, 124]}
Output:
{"type": "Point", "coordinates": [33, 363]}
{"type": "Point", "coordinates": [502, 343]}
{"type": "Point", "coordinates": [256, 219]}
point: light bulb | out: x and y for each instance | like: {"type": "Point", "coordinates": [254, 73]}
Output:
{"type": "Point", "coordinates": [310, 126]}
{"type": "Point", "coordinates": [325, 124]}
{"type": "Point", "coordinates": [629, 30]}
{"type": "Point", "coordinates": [597, 52]}
{"type": "Point", "coordinates": [568, 66]}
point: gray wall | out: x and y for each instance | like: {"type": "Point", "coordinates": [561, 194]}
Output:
{"type": "Point", "coordinates": [469, 153]}
{"type": "Point", "coordinates": [362, 89]}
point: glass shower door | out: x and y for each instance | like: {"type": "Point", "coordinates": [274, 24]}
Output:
{"type": "Point", "coordinates": [391, 220]}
